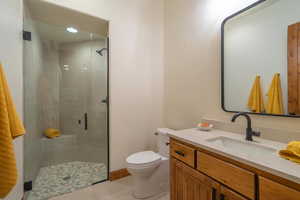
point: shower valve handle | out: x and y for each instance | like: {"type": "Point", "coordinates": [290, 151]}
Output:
{"type": "Point", "coordinates": [104, 100]}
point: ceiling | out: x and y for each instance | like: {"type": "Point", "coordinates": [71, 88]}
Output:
{"type": "Point", "coordinates": [51, 22]}
{"type": "Point", "coordinates": [60, 35]}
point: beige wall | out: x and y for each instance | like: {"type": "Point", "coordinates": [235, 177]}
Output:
{"type": "Point", "coordinates": [11, 58]}
{"type": "Point", "coordinates": [136, 72]}
{"type": "Point", "coordinates": [192, 57]}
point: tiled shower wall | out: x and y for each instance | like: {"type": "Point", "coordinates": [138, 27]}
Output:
{"type": "Point", "coordinates": [76, 57]}
{"type": "Point", "coordinates": [41, 90]}
{"type": "Point", "coordinates": [51, 82]}
{"type": "Point", "coordinates": [33, 60]}
{"type": "Point", "coordinates": [83, 86]}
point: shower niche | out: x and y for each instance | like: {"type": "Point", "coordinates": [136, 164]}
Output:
{"type": "Point", "coordinates": [66, 100]}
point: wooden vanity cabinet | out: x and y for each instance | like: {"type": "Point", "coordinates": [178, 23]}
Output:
{"type": "Point", "coordinates": [197, 174]}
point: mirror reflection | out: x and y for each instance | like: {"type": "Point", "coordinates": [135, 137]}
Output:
{"type": "Point", "coordinates": [262, 59]}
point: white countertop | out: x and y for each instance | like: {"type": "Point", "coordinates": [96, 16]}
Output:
{"type": "Point", "coordinates": [272, 163]}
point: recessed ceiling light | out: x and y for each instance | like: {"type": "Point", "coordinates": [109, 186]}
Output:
{"type": "Point", "coordinates": [72, 30]}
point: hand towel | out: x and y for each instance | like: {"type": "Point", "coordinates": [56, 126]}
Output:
{"type": "Point", "coordinates": [275, 102]}
{"type": "Point", "coordinates": [255, 100]}
{"type": "Point", "coordinates": [10, 128]}
{"type": "Point", "coordinates": [51, 133]}
{"type": "Point", "coordinates": [292, 152]}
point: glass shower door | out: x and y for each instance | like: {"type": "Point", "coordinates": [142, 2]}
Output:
{"type": "Point", "coordinates": [95, 140]}
{"type": "Point", "coordinates": [83, 88]}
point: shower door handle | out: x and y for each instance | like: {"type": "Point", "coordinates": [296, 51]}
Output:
{"type": "Point", "coordinates": [85, 121]}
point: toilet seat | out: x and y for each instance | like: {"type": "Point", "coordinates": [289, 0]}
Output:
{"type": "Point", "coordinates": [143, 159]}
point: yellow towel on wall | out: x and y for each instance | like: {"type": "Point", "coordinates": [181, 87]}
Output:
{"type": "Point", "coordinates": [275, 102]}
{"type": "Point", "coordinates": [10, 128]}
{"type": "Point", "coordinates": [255, 101]}
{"type": "Point", "coordinates": [292, 152]}
{"type": "Point", "coordinates": [51, 133]}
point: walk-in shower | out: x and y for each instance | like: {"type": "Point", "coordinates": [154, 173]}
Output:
{"type": "Point", "coordinates": [66, 93]}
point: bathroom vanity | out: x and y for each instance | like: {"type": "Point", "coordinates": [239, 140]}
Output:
{"type": "Point", "coordinates": [221, 165]}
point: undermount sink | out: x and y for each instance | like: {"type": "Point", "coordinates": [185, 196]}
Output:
{"type": "Point", "coordinates": [249, 148]}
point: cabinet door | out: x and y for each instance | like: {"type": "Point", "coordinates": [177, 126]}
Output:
{"type": "Point", "coordinates": [270, 190]}
{"type": "Point", "coordinates": [227, 194]}
{"type": "Point", "coordinates": [189, 184]}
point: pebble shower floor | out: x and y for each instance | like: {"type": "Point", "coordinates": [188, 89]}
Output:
{"type": "Point", "coordinates": [65, 178]}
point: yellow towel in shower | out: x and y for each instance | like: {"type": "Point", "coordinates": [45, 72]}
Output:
{"type": "Point", "coordinates": [255, 101]}
{"type": "Point", "coordinates": [275, 102]}
{"type": "Point", "coordinates": [292, 152]}
{"type": "Point", "coordinates": [51, 133]}
{"type": "Point", "coordinates": [10, 128]}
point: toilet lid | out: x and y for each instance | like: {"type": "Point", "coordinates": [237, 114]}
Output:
{"type": "Point", "coordinates": [143, 157]}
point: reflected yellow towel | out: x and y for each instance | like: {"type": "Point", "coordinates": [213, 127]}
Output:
{"type": "Point", "coordinates": [275, 102]}
{"type": "Point", "coordinates": [10, 128]}
{"type": "Point", "coordinates": [51, 133]}
{"type": "Point", "coordinates": [255, 101]}
{"type": "Point", "coordinates": [292, 152]}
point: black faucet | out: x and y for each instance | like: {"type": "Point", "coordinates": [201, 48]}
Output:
{"type": "Point", "coordinates": [249, 132]}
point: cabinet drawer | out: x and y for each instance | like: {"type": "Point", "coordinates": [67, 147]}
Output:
{"type": "Point", "coordinates": [182, 152]}
{"type": "Point", "coordinates": [269, 190]}
{"type": "Point", "coordinates": [230, 175]}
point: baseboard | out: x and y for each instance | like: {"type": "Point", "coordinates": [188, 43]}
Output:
{"type": "Point", "coordinates": [118, 174]}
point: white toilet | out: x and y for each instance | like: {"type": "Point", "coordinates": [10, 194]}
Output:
{"type": "Point", "coordinates": [150, 170]}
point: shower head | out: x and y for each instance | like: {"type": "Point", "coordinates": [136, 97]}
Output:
{"type": "Point", "coordinates": [100, 52]}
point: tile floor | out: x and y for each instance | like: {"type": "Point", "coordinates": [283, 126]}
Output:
{"type": "Point", "coordinates": [116, 190]}
{"type": "Point", "coordinates": [64, 178]}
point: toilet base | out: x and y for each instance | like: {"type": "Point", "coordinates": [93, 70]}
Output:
{"type": "Point", "coordinates": [154, 185]}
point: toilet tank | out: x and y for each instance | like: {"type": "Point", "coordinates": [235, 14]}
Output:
{"type": "Point", "coordinates": [163, 141]}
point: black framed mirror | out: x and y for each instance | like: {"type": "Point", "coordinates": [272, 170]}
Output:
{"type": "Point", "coordinates": [261, 59]}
